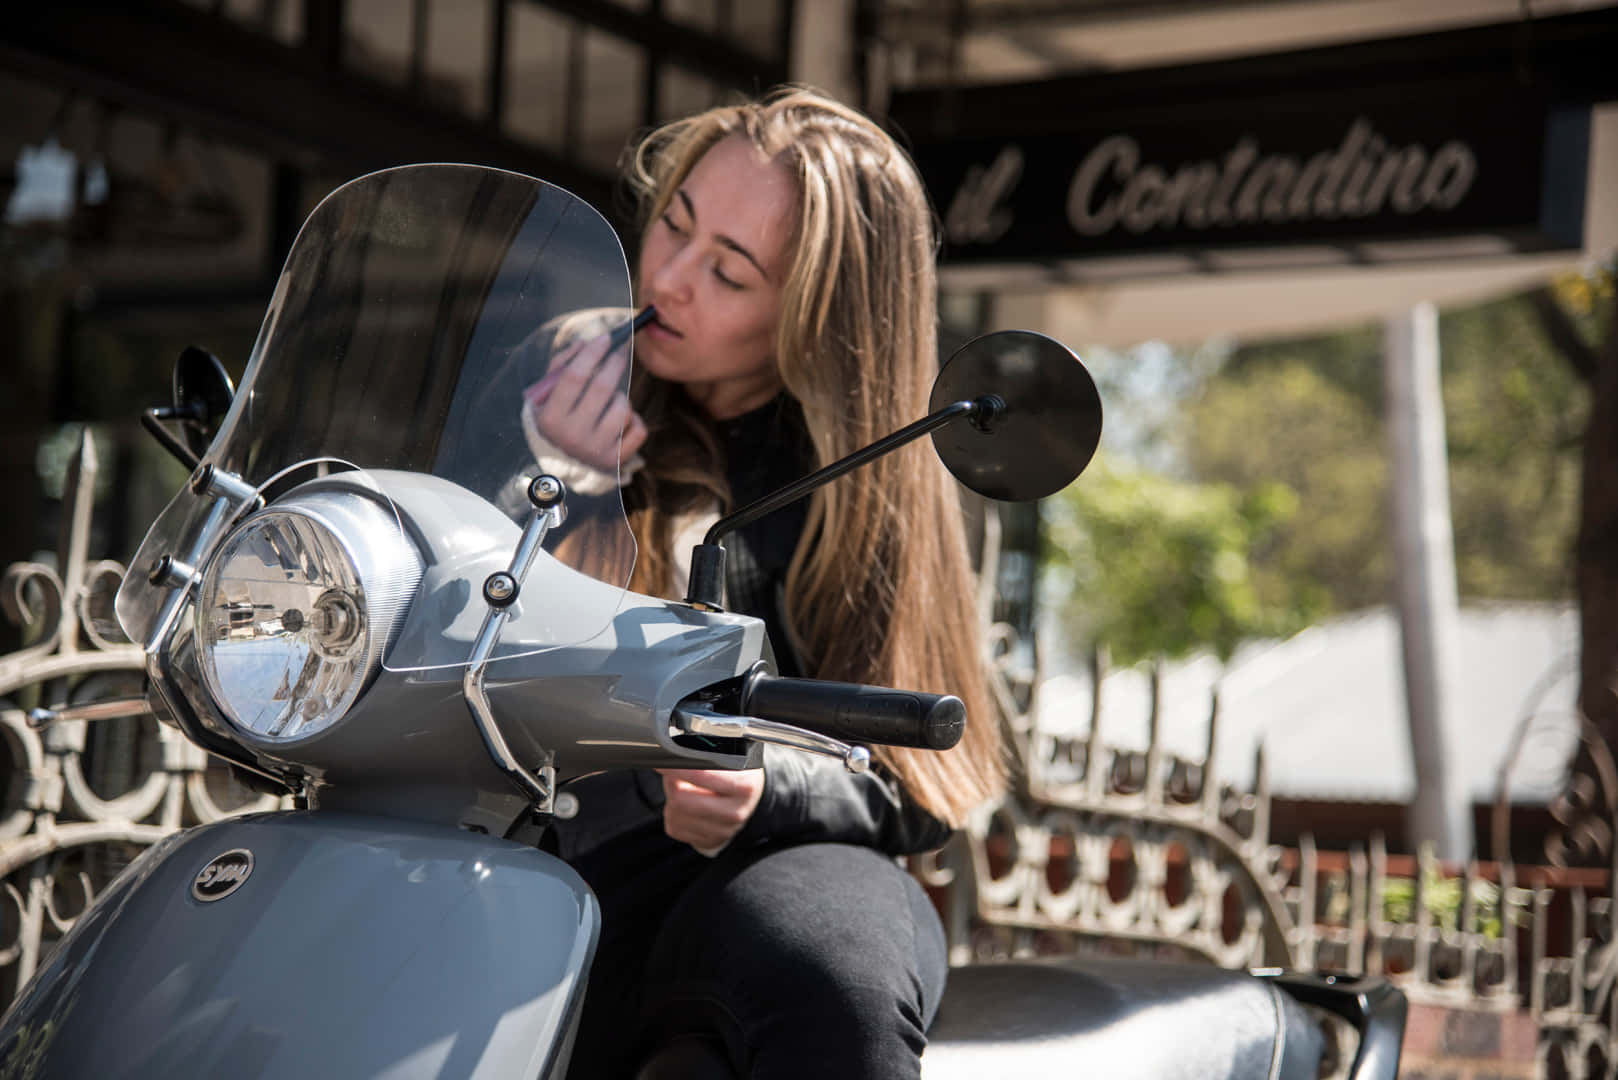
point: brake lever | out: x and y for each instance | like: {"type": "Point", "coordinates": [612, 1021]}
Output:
{"type": "Point", "coordinates": [698, 718]}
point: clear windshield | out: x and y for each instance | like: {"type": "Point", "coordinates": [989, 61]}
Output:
{"type": "Point", "coordinates": [412, 328]}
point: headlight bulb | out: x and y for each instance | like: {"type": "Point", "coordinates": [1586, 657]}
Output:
{"type": "Point", "coordinates": [336, 624]}
{"type": "Point", "coordinates": [286, 630]}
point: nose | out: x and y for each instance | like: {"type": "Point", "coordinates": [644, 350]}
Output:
{"type": "Point", "coordinates": [670, 282]}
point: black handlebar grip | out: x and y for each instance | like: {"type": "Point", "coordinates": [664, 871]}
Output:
{"type": "Point", "coordinates": [855, 713]}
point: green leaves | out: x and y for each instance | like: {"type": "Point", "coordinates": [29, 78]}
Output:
{"type": "Point", "coordinates": [1286, 423]}
{"type": "Point", "coordinates": [1279, 512]}
{"type": "Point", "coordinates": [1155, 567]}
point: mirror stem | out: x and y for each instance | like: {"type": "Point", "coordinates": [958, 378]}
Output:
{"type": "Point", "coordinates": [152, 420]}
{"type": "Point", "coordinates": [799, 488]}
{"type": "Point", "coordinates": [706, 587]}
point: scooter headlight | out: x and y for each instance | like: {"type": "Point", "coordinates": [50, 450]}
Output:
{"type": "Point", "coordinates": [296, 609]}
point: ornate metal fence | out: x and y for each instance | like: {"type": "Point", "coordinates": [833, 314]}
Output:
{"type": "Point", "coordinates": [81, 799]}
{"type": "Point", "coordinates": [1100, 847]}
{"type": "Point", "coordinates": [1107, 848]}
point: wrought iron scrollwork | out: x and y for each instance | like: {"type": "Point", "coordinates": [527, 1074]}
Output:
{"type": "Point", "coordinates": [82, 800]}
{"type": "Point", "coordinates": [1105, 848]}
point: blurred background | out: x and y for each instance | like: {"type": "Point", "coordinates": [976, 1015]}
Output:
{"type": "Point", "coordinates": [1343, 269]}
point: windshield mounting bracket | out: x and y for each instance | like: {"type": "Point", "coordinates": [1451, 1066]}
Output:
{"type": "Point", "coordinates": [500, 589]}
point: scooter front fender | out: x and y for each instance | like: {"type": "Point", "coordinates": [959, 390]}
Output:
{"type": "Point", "coordinates": [351, 947]}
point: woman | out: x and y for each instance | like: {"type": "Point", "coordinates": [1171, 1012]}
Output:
{"type": "Point", "coordinates": [788, 249]}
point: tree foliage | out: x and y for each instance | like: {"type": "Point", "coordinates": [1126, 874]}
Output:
{"type": "Point", "coordinates": [1288, 424]}
{"type": "Point", "coordinates": [1581, 321]}
{"type": "Point", "coordinates": [1311, 414]}
{"type": "Point", "coordinates": [1259, 497]}
{"type": "Point", "coordinates": [1152, 566]}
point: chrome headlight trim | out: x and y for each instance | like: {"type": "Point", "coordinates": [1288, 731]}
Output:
{"type": "Point", "coordinates": [296, 608]}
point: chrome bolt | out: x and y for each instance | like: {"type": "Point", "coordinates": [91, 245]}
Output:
{"type": "Point", "coordinates": [171, 572]}
{"type": "Point", "coordinates": [500, 589]}
{"type": "Point", "coordinates": [545, 491]}
{"type": "Point", "coordinates": [202, 480]}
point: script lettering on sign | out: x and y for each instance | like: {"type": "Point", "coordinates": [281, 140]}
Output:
{"type": "Point", "coordinates": [1332, 173]}
{"type": "Point", "coordinates": [976, 214]}
{"type": "Point", "coordinates": [1113, 187]}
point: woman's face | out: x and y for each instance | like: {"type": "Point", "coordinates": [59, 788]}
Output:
{"type": "Point", "coordinates": [714, 265]}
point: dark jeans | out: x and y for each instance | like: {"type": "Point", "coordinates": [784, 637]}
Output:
{"type": "Point", "coordinates": [817, 960]}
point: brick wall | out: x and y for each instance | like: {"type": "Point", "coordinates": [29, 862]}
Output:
{"type": "Point", "coordinates": [1443, 1043]}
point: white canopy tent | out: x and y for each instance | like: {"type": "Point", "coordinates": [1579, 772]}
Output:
{"type": "Point", "coordinates": [1327, 707]}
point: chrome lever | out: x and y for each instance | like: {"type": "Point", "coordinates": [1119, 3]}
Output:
{"type": "Point", "coordinates": [695, 718]}
{"type": "Point", "coordinates": [111, 709]}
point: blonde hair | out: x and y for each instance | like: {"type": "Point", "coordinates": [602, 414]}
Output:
{"type": "Point", "coordinates": [880, 589]}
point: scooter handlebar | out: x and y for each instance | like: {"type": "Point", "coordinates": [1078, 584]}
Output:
{"type": "Point", "coordinates": [856, 713]}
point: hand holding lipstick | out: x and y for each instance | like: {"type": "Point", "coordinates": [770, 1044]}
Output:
{"type": "Point", "coordinates": [581, 405]}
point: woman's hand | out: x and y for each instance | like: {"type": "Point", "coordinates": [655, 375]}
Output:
{"type": "Point", "coordinates": [581, 407]}
{"type": "Point", "coordinates": [706, 808]}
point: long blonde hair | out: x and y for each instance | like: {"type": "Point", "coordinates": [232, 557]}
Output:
{"type": "Point", "coordinates": [880, 589]}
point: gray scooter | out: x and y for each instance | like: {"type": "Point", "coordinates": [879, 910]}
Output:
{"type": "Point", "coordinates": [372, 597]}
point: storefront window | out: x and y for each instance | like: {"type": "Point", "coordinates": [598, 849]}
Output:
{"type": "Point", "coordinates": [457, 59]}
{"type": "Point", "coordinates": [612, 92]}
{"type": "Point", "coordinates": [377, 36]}
{"type": "Point", "coordinates": [681, 92]}
{"type": "Point", "coordinates": [536, 75]}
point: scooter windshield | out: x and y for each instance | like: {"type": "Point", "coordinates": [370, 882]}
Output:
{"type": "Point", "coordinates": [418, 327]}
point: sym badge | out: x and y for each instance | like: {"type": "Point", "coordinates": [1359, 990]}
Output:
{"type": "Point", "coordinates": [223, 875]}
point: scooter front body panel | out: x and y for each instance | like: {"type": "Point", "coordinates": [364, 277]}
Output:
{"type": "Point", "coordinates": [347, 946]}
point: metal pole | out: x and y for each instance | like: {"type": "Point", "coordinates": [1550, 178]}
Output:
{"type": "Point", "coordinates": [1424, 561]}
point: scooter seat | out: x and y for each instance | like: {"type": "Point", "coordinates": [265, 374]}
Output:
{"type": "Point", "coordinates": [1122, 1019]}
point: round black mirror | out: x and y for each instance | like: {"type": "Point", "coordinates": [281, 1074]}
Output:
{"type": "Point", "coordinates": [1044, 436]}
{"type": "Point", "coordinates": [202, 395]}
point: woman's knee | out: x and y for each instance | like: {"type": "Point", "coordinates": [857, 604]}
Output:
{"type": "Point", "coordinates": [834, 922]}
{"type": "Point", "coordinates": [813, 960]}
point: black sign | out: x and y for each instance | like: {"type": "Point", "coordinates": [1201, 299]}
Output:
{"type": "Point", "coordinates": [1341, 177]}
{"type": "Point", "coordinates": [1254, 154]}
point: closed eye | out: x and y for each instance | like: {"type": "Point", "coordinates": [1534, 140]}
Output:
{"type": "Point", "coordinates": [721, 240]}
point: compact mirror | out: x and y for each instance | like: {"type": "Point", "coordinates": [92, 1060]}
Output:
{"type": "Point", "coordinates": [202, 395]}
{"type": "Point", "coordinates": [1046, 434]}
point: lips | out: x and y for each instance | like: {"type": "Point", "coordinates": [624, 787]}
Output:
{"type": "Point", "coordinates": [658, 323]}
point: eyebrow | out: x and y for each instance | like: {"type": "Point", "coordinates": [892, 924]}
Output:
{"type": "Point", "coordinates": [721, 239]}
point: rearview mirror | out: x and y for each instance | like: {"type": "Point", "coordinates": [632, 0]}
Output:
{"type": "Point", "coordinates": [1046, 432]}
{"type": "Point", "coordinates": [202, 395]}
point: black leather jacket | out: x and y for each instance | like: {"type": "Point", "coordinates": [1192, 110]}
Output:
{"type": "Point", "coordinates": [806, 798]}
